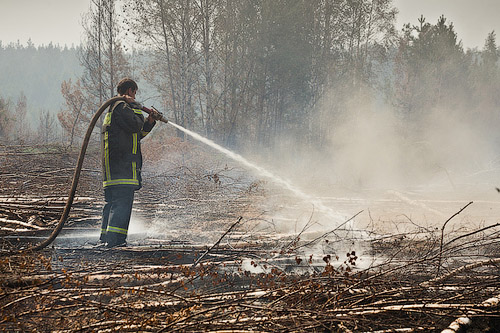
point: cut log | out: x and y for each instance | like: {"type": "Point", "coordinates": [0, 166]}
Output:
{"type": "Point", "coordinates": [461, 324]}
{"type": "Point", "coordinates": [20, 223]}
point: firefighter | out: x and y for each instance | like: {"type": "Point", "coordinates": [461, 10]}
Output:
{"type": "Point", "coordinates": [123, 128]}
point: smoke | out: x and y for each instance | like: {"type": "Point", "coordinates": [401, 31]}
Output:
{"type": "Point", "coordinates": [373, 147]}
{"type": "Point", "coordinates": [137, 225]}
{"type": "Point", "coordinates": [366, 150]}
{"type": "Point", "coordinates": [387, 164]}
{"type": "Point", "coordinates": [375, 160]}
{"type": "Point", "coordinates": [458, 142]}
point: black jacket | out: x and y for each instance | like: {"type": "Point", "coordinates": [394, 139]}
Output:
{"type": "Point", "coordinates": [123, 129]}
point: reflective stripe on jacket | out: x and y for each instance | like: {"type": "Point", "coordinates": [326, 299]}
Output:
{"type": "Point", "coordinates": [123, 129]}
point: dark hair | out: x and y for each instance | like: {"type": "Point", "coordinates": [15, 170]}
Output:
{"type": "Point", "coordinates": [124, 85]}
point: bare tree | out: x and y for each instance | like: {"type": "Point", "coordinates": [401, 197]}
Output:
{"type": "Point", "coordinates": [73, 118]}
{"type": "Point", "coordinates": [255, 70]}
{"type": "Point", "coordinates": [171, 27]}
{"type": "Point", "coordinates": [46, 127]}
{"type": "Point", "coordinates": [104, 63]}
{"type": "Point", "coordinates": [5, 118]}
{"type": "Point", "coordinates": [21, 126]}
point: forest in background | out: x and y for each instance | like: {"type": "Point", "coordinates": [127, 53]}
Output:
{"type": "Point", "coordinates": [30, 89]}
{"type": "Point", "coordinates": [282, 77]}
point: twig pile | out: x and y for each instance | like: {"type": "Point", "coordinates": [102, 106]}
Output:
{"type": "Point", "coordinates": [159, 289]}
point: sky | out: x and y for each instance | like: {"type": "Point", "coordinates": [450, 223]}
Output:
{"type": "Point", "coordinates": [59, 21]}
{"type": "Point", "coordinates": [44, 21]}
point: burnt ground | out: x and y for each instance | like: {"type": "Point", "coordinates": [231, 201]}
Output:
{"type": "Point", "coordinates": [205, 254]}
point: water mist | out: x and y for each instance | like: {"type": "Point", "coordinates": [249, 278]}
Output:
{"type": "Point", "coordinates": [334, 217]}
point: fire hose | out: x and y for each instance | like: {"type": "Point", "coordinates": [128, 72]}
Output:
{"type": "Point", "coordinates": [76, 175]}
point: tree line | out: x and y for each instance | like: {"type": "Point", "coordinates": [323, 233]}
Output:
{"type": "Point", "coordinates": [262, 71]}
{"type": "Point", "coordinates": [30, 86]}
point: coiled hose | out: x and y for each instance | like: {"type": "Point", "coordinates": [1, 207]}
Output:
{"type": "Point", "coordinates": [76, 177]}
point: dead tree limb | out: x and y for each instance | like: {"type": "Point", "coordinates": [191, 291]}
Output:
{"type": "Point", "coordinates": [217, 243]}
{"type": "Point", "coordinates": [442, 234]}
{"type": "Point", "coordinates": [471, 233]}
{"type": "Point", "coordinates": [329, 232]}
{"type": "Point", "coordinates": [462, 269]}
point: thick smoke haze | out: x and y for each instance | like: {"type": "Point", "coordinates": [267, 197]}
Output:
{"type": "Point", "coordinates": [372, 146]}
{"type": "Point", "coordinates": [395, 170]}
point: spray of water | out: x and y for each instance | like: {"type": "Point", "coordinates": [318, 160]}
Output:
{"type": "Point", "coordinates": [333, 216]}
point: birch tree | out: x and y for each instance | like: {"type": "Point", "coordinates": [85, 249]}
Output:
{"type": "Point", "coordinates": [102, 53]}
{"type": "Point", "coordinates": [5, 118]}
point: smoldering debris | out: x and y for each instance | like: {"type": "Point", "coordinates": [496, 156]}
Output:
{"type": "Point", "coordinates": [265, 274]}
{"type": "Point", "coordinates": [253, 284]}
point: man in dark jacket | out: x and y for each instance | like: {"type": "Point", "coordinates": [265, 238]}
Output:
{"type": "Point", "coordinates": [123, 128]}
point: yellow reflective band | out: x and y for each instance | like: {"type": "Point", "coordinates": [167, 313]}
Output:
{"type": "Point", "coordinates": [107, 119]}
{"type": "Point", "coordinates": [134, 143]}
{"type": "Point", "coordinates": [106, 156]}
{"type": "Point", "coordinates": [144, 133]}
{"type": "Point", "coordinates": [120, 182]}
{"type": "Point", "coordinates": [138, 111]}
{"type": "Point", "coordinates": [134, 170]}
{"type": "Point", "coordinates": [117, 230]}
{"type": "Point", "coordinates": [103, 231]}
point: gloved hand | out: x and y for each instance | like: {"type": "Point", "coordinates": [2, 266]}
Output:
{"type": "Point", "coordinates": [155, 114]}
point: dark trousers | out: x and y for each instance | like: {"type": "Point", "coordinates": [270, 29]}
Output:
{"type": "Point", "coordinates": [116, 214]}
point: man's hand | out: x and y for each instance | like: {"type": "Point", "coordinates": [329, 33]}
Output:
{"type": "Point", "coordinates": [153, 115]}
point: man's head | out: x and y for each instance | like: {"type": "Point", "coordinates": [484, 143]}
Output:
{"type": "Point", "coordinates": [127, 87]}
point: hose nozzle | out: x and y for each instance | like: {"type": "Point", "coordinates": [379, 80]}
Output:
{"type": "Point", "coordinates": [157, 115]}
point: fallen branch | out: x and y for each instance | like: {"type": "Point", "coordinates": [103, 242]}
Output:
{"type": "Point", "coordinates": [329, 232]}
{"type": "Point", "coordinates": [461, 269]}
{"type": "Point", "coordinates": [442, 234]}
{"type": "Point", "coordinates": [217, 243]}
{"type": "Point", "coordinates": [21, 223]}
{"type": "Point", "coordinates": [464, 322]}
{"type": "Point", "coordinates": [471, 233]}
{"type": "Point", "coordinates": [409, 329]}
